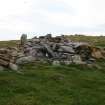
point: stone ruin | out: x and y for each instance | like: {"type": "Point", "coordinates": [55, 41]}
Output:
{"type": "Point", "coordinates": [55, 50]}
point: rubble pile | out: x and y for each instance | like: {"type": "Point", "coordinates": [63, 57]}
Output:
{"type": "Point", "coordinates": [8, 57]}
{"type": "Point", "coordinates": [56, 50]}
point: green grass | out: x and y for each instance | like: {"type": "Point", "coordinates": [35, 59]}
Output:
{"type": "Point", "coordinates": [44, 84]}
{"type": "Point", "coordinates": [95, 40]}
{"type": "Point", "coordinates": [12, 43]}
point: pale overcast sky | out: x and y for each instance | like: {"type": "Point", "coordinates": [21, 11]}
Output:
{"type": "Point", "coordinates": [39, 17]}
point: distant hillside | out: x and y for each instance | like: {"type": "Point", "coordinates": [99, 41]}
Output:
{"type": "Point", "coordinates": [95, 40]}
{"type": "Point", "coordinates": [8, 43]}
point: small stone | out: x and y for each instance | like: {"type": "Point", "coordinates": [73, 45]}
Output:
{"type": "Point", "coordinates": [90, 65]}
{"type": "Point", "coordinates": [13, 66]}
{"type": "Point", "coordinates": [24, 60]}
{"type": "Point", "coordinates": [1, 68]}
{"type": "Point", "coordinates": [58, 77]}
{"type": "Point", "coordinates": [67, 62]}
{"type": "Point", "coordinates": [20, 55]}
{"type": "Point", "coordinates": [77, 59]}
{"type": "Point", "coordinates": [56, 63]}
{"type": "Point", "coordinates": [97, 66]}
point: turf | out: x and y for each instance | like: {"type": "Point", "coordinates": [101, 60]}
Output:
{"type": "Point", "coordinates": [44, 84]}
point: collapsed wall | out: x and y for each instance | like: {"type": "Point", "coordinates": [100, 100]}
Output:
{"type": "Point", "coordinates": [56, 50]}
{"type": "Point", "coordinates": [59, 49]}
